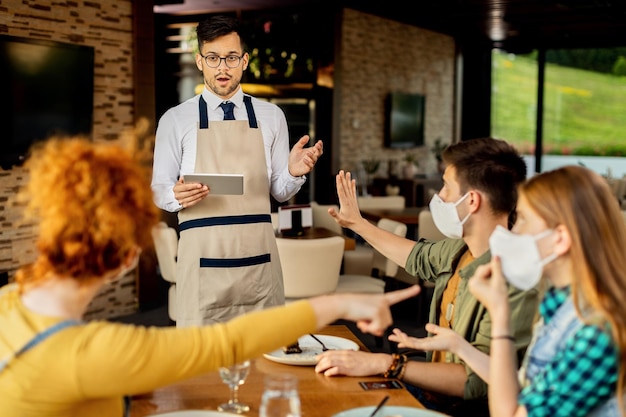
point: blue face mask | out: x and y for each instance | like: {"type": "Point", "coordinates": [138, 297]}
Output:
{"type": "Point", "coordinates": [446, 217]}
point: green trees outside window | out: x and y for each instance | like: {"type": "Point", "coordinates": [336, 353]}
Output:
{"type": "Point", "coordinates": [584, 103]}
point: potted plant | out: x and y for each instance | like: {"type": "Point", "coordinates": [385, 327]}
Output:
{"type": "Point", "coordinates": [370, 166]}
{"type": "Point", "coordinates": [411, 166]}
{"type": "Point", "coordinates": [437, 149]}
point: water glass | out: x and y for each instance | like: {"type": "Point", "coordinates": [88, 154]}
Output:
{"type": "Point", "coordinates": [280, 397]}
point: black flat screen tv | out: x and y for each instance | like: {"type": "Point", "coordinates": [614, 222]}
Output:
{"type": "Point", "coordinates": [46, 88]}
{"type": "Point", "coordinates": [404, 120]}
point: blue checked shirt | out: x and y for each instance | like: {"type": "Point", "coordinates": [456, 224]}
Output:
{"type": "Point", "coordinates": [581, 377]}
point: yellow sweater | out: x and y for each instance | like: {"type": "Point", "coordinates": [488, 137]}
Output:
{"type": "Point", "coordinates": [86, 370]}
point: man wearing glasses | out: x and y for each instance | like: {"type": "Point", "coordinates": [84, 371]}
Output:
{"type": "Point", "coordinates": [227, 257]}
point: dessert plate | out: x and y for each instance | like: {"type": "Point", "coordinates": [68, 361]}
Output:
{"type": "Point", "coordinates": [310, 349]}
{"type": "Point", "coordinates": [389, 411]}
{"type": "Point", "coordinates": [194, 413]}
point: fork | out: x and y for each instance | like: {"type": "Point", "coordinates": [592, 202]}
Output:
{"type": "Point", "coordinates": [379, 406]}
{"type": "Point", "coordinates": [324, 348]}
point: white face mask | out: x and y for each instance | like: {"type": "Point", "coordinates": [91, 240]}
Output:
{"type": "Point", "coordinates": [522, 265]}
{"type": "Point", "coordinates": [446, 217]}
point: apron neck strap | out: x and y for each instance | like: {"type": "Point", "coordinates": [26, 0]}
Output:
{"type": "Point", "coordinates": [204, 113]}
{"type": "Point", "coordinates": [247, 100]}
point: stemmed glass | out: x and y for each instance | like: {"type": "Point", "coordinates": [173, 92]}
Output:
{"type": "Point", "coordinates": [234, 376]}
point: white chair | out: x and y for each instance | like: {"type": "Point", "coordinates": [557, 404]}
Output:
{"type": "Point", "coordinates": [364, 258]}
{"type": "Point", "coordinates": [360, 284]}
{"type": "Point", "coordinates": [384, 266]}
{"type": "Point", "coordinates": [426, 227]}
{"type": "Point", "coordinates": [310, 266]}
{"type": "Point", "coordinates": [321, 218]}
{"type": "Point", "coordinates": [166, 247]}
{"type": "Point", "coordinates": [359, 260]}
{"type": "Point", "coordinates": [380, 265]}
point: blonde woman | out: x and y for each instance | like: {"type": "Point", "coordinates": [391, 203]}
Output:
{"type": "Point", "coordinates": [569, 231]}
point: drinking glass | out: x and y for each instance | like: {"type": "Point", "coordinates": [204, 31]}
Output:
{"type": "Point", "coordinates": [280, 397]}
{"type": "Point", "coordinates": [234, 376]}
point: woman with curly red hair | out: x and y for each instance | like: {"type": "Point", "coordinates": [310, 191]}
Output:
{"type": "Point", "coordinates": [94, 208]}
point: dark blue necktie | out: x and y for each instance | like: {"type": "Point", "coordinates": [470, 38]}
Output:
{"type": "Point", "coordinates": [227, 106]}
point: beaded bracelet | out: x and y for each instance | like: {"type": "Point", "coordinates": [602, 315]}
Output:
{"type": "Point", "coordinates": [505, 336]}
{"type": "Point", "coordinates": [394, 364]}
{"type": "Point", "coordinates": [397, 365]}
{"type": "Point", "coordinates": [402, 369]}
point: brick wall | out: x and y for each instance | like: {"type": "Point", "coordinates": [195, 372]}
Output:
{"type": "Point", "coordinates": [378, 56]}
{"type": "Point", "coordinates": [107, 26]}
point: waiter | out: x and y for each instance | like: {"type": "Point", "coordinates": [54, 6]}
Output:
{"type": "Point", "coordinates": [227, 257]}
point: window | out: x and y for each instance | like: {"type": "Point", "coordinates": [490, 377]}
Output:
{"type": "Point", "coordinates": [584, 111]}
{"type": "Point", "coordinates": [514, 99]}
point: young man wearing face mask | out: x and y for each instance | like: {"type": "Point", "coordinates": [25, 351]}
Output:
{"type": "Point", "coordinates": [479, 194]}
{"type": "Point", "coordinates": [574, 366]}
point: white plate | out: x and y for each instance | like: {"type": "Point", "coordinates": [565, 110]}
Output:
{"type": "Point", "coordinates": [310, 349]}
{"type": "Point", "coordinates": [389, 411]}
{"type": "Point", "coordinates": [195, 413]}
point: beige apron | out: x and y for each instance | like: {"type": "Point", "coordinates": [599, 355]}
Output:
{"type": "Point", "coordinates": [227, 256]}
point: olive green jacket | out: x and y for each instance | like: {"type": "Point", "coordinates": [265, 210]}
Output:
{"type": "Point", "coordinates": [435, 262]}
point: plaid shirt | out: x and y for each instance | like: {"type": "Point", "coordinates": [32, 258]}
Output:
{"type": "Point", "coordinates": [580, 377]}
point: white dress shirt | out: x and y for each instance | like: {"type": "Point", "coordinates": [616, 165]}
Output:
{"type": "Point", "coordinates": [175, 145]}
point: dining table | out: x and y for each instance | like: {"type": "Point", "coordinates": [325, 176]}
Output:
{"type": "Point", "coordinates": [318, 233]}
{"type": "Point", "coordinates": [319, 395]}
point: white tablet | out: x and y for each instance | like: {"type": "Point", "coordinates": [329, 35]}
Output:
{"type": "Point", "coordinates": [219, 184]}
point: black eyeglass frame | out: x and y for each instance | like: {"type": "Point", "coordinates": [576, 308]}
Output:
{"type": "Point", "coordinates": [225, 59]}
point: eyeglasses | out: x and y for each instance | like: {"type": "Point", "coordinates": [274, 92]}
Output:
{"type": "Point", "coordinates": [214, 61]}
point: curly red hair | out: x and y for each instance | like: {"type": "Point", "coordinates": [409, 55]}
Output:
{"type": "Point", "coordinates": [93, 204]}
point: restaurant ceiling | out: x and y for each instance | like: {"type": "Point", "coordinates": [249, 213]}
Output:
{"type": "Point", "coordinates": [511, 23]}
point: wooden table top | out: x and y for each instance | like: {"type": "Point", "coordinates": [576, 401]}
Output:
{"type": "Point", "coordinates": [319, 395]}
{"type": "Point", "coordinates": [407, 215]}
{"type": "Point", "coordinates": [321, 232]}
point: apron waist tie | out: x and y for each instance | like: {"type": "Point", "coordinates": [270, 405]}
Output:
{"type": "Point", "coordinates": [225, 220]}
{"type": "Point", "coordinates": [235, 262]}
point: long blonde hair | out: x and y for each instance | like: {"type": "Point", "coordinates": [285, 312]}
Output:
{"type": "Point", "coordinates": [93, 205]}
{"type": "Point", "coordinates": [582, 201]}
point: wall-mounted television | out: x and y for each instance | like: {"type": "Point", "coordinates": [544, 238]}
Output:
{"type": "Point", "coordinates": [46, 88]}
{"type": "Point", "coordinates": [404, 120]}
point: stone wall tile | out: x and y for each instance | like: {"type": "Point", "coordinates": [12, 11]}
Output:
{"type": "Point", "coordinates": [379, 56]}
{"type": "Point", "coordinates": [106, 26]}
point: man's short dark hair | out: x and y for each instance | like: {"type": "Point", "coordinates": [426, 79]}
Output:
{"type": "Point", "coordinates": [216, 26]}
{"type": "Point", "coordinates": [490, 165]}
